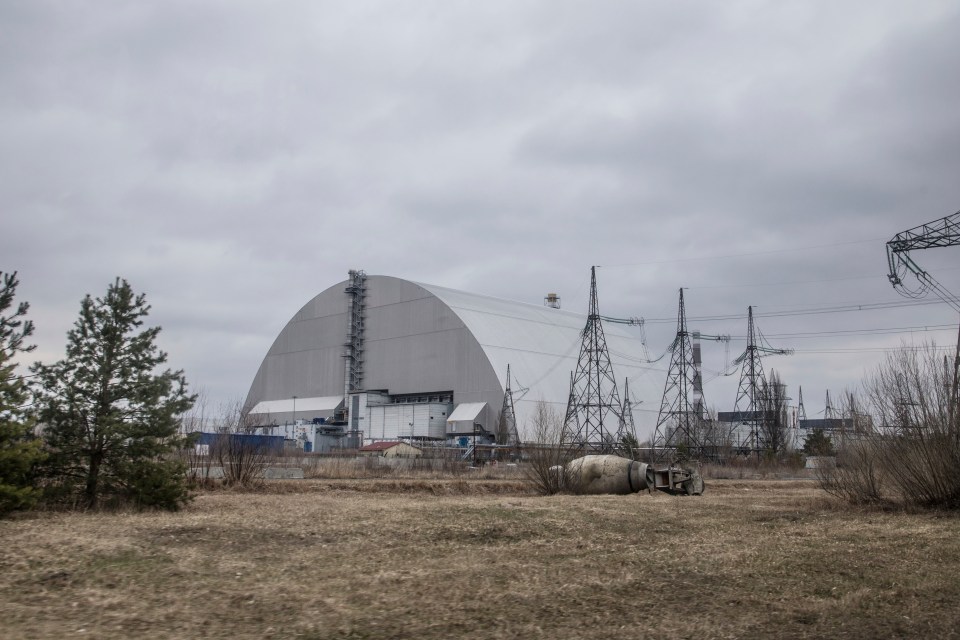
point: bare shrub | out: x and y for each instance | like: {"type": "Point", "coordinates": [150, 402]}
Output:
{"type": "Point", "coordinates": [194, 456]}
{"type": "Point", "coordinates": [774, 423]}
{"type": "Point", "coordinates": [546, 456]}
{"type": "Point", "coordinates": [912, 455]}
{"type": "Point", "coordinates": [234, 447]}
{"type": "Point", "coordinates": [242, 455]}
{"type": "Point", "coordinates": [857, 475]}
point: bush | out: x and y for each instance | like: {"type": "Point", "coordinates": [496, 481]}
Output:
{"type": "Point", "coordinates": [148, 485]}
{"type": "Point", "coordinates": [546, 459]}
{"type": "Point", "coordinates": [912, 456]}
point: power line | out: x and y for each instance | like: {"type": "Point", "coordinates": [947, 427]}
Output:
{"type": "Point", "coordinates": [800, 311]}
{"type": "Point", "coordinates": [878, 349]}
{"type": "Point", "coordinates": [789, 282]}
{"type": "Point", "coordinates": [741, 255]}
{"type": "Point", "coordinates": [839, 333]}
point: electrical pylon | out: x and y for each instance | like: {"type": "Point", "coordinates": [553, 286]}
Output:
{"type": "Point", "coordinates": [507, 433]}
{"type": "Point", "coordinates": [594, 418]}
{"type": "Point", "coordinates": [629, 426]}
{"type": "Point", "coordinates": [751, 393]}
{"type": "Point", "coordinates": [801, 417]}
{"type": "Point", "coordinates": [801, 411]}
{"type": "Point", "coordinates": [680, 422]}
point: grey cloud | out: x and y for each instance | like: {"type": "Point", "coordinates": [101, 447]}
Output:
{"type": "Point", "coordinates": [233, 160]}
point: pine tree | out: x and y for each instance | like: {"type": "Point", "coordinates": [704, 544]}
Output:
{"type": "Point", "coordinates": [818, 443]}
{"type": "Point", "coordinates": [19, 451]}
{"type": "Point", "coordinates": [110, 420]}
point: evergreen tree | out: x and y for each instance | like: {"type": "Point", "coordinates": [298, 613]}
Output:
{"type": "Point", "coordinates": [110, 420]}
{"type": "Point", "coordinates": [818, 443]}
{"type": "Point", "coordinates": [19, 451]}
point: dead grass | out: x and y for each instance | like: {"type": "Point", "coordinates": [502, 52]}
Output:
{"type": "Point", "coordinates": [340, 468]}
{"type": "Point", "coordinates": [365, 559]}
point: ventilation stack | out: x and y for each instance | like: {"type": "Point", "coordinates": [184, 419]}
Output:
{"type": "Point", "coordinates": [353, 353]}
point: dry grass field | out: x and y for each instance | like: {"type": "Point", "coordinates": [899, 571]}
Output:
{"type": "Point", "coordinates": [388, 558]}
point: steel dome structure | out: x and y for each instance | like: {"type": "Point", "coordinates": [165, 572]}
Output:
{"type": "Point", "coordinates": [371, 343]}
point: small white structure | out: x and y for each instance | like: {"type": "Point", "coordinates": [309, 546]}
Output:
{"type": "Point", "coordinates": [461, 421]}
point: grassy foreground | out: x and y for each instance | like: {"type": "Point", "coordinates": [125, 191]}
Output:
{"type": "Point", "coordinates": [372, 559]}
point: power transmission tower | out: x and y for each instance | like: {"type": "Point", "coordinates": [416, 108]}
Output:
{"type": "Point", "coordinates": [801, 417]}
{"type": "Point", "coordinates": [629, 426]}
{"type": "Point", "coordinates": [680, 423]}
{"type": "Point", "coordinates": [943, 232]}
{"type": "Point", "coordinates": [594, 416]}
{"type": "Point", "coordinates": [801, 411]}
{"type": "Point", "coordinates": [751, 392]}
{"type": "Point", "coordinates": [507, 433]}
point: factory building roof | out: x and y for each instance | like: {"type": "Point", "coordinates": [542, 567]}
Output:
{"type": "Point", "coordinates": [327, 404]}
{"type": "Point", "coordinates": [466, 411]}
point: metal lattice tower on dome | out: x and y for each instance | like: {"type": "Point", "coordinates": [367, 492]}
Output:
{"type": "Point", "coordinates": [594, 418]}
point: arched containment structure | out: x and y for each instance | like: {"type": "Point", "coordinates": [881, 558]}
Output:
{"type": "Point", "coordinates": [415, 360]}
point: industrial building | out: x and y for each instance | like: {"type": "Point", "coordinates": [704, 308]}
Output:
{"type": "Point", "coordinates": [388, 359]}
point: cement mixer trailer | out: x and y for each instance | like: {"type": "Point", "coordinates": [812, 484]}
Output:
{"type": "Point", "coordinates": [604, 474]}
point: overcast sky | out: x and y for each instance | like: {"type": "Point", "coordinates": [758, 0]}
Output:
{"type": "Point", "coordinates": [233, 159]}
